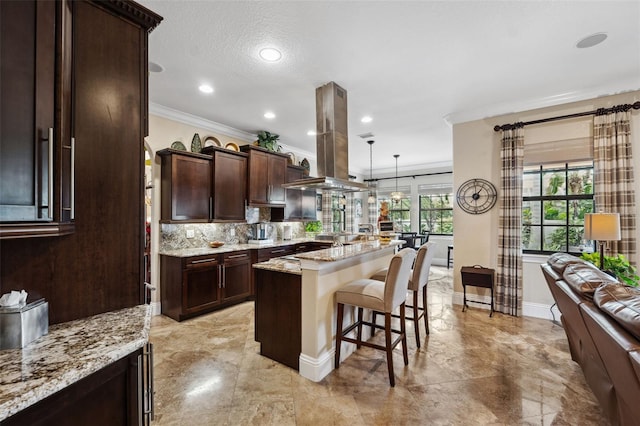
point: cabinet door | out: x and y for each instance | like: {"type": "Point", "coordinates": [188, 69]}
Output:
{"type": "Point", "coordinates": [236, 275]}
{"type": "Point", "coordinates": [258, 177]}
{"type": "Point", "coordinates": [229, 186]}
{"type": "Point", "coordinates": [200, 285]}
{"type": "Point", "coordinates": [186, 188]}
{"type": "Point", "coordinates": [277, 176]}
{"type": "Point", "coordinates": [27, 46]}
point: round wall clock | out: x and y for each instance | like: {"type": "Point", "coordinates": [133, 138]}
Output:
{"type": "Point", "coordinates": [476, 196]}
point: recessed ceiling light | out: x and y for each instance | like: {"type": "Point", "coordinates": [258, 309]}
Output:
{"type": "Point", "coordinates": [591, 40]}
{"type": "Point", "coordinates": [311, 133]}
{"type": "Point", "coordinates": [366, 119]}
{"type": "Point", "coordinates": [269, 115]}
{"type": "Point", "coordinates": [154, 67]}
{"type": "Point", "coordinates": [270, 54]}
{"type": "Point", "coordinates": [205, 88]}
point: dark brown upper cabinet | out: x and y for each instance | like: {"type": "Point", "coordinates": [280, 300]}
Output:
{"type": "Point", "coordinates": [229, 184]}
{"type": "Point", "coordinates": [186, 187]}
{"type": "Point", "coordinates": [36, 140]}
{"type": "Point", "coordinates": [265, 177]}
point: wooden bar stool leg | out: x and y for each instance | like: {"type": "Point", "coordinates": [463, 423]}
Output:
{"type": "Point", "coordinates": [373, 321]}
{"type": "Point", "coordinates": [387, 335]}
{"type": "Point", "coordinates": [403, 332]}
{"type": "Point", "coordinates": [339, 334]}
{"type": "Point", "coordinates": [426, 311]}
{"type": "Point", "coordinates": [359, 328]}
{"type": "Point", "coordinates": [416, 317]}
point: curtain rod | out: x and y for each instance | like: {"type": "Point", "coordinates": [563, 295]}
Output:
{"type": "Point", "coordinates": [407, 176]}
{"type": "Point", "coordinates": [599, 111]}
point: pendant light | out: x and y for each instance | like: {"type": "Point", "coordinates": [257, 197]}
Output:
{"type": "Point", "coordinates": [372, 194]}
{"type": "Point", "coordinates": [396, 195]}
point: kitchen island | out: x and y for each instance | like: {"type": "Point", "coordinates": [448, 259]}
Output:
{"type": "Point", "coordinates": [295, 303]}
{"type": "Point", "coordinates": [80, 368]}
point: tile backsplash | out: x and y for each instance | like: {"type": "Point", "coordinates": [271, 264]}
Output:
{"type": "Point", "coordinates": [174, 236]}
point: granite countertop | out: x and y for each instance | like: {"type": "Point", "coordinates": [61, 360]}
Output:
{"type": "Point", "coordinates": [291, 264]}
{"type": "Point", "coordinates": [201, 251]}
{"type": "Point", "coordinates": [281, 264]}
{"type": "Point", "coordinates": [70, 352]}
{"type": "Point", "coordinates": [346, 251]}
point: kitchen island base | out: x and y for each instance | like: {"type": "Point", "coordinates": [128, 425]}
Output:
{"type": "Point", "coordinates": [321, 274]}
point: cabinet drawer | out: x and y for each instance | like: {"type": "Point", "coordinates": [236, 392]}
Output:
{"type": "Point", "coordinates": [201, 262]}
{"type": "Point", "coordinates": [237, 256]}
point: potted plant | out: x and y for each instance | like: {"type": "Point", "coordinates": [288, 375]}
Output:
{"type": "Point", "coordinates": [268, 141]}
{"type": "Point", "coordinates": [313, 228]}
{"type": "Point", "coordinates": [617, 266]}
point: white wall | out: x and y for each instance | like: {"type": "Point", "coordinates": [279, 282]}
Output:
{"type": "Point", "coordinates": [476, 154]}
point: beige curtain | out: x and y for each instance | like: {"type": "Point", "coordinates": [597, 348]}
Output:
{"type": "Point", "coordinates": [613, 176]}
{"type": "Point", "coordinates": [509, 274]}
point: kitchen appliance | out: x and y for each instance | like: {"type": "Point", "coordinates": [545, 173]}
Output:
{"type": "Point", "coordinates": [262, 231]}
{"type": "Point", "coordinates": [332, 148]}
{"type": "Point", "coordinates": [286, 232]}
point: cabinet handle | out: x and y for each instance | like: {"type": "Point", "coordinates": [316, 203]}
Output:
{"type": "Point", "coordinates": [73, 178]}
{"type": "Point", "coordinates": [150, 411]}
{"type": "Point", "coordinates": [235, 256]}
{"type": "Point", "coordinates": [193, 262]}
{"type": "Point", "coordinates": [219, 276]}
{"type": "Point", "coordinates": [268, 192]}
{"type": "Point", "coordinates": [224, 276]}
{"type": "Point", "coordinates": [278, 251]}
{"type": "Point", "coordinates": [141, 401]}
{"type": "Point", "coordinates": [50, 177]}
{"type": "Point", "coordinates": [210, 208]}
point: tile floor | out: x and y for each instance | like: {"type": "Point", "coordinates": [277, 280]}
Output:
{"type": "Point", "coordinates": [470, 370]}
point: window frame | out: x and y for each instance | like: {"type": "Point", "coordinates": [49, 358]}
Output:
{"type": "Point", "coordinates": [395, 212]}
{"type": "Point", "coordinates": [566, 168]}
{"type": "Point", "coordinates": [435, 209]}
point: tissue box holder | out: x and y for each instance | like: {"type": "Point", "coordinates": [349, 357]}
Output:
{"type": "Point", "coordinates": [22, 325]}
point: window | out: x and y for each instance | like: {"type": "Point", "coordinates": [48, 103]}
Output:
{"type": "Point", "coordinates": [555, 199]}
{"type": "Point", "coordinates": [400, 214]}
{"type": "Point", "coordinates": [436, 214]}
{"type": "Point", "coordinates": [338, 207]}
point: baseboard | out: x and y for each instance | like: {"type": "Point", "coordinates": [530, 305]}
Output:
{"type": "Point", "coordinates": [529, 309]}
{"type": "Point", "coordinates": [155, 308]}
{"type": "Point", "coordinates": [316, 369]}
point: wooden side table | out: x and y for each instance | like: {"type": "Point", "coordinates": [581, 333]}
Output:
{"type": "Point", "coordinates": [477, 276]}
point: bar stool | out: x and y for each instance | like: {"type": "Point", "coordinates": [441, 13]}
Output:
{"type": "Point", "coordinates": [418, 281]}
{"type": "Point", "coordinates": [382, 297]}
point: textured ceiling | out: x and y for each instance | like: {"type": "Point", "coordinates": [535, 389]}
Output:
{"type": "Point", "coordinates": [413, 66]}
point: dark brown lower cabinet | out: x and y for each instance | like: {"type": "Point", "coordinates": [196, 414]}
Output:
{"type": "Point", "coordinates": [278, 316]}
{"type": "Point", "coordinates": [191, 286]}
{"type": "Point", "coordinates": [108, 397]}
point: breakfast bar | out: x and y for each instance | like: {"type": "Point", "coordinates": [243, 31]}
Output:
{"type": "Point", "coordinates": [295, 306]}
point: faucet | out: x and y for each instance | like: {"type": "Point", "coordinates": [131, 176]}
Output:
{"type": "Point", "coordinates": [336, 241]}
{"type": "Point", "coordinates": [367, 229]}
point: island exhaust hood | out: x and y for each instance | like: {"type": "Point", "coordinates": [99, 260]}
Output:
{"type": "Point", "coordinates": [332, 149]}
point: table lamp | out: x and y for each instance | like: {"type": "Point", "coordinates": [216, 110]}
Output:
{"type": "Point", "coordinates": [602, 227]}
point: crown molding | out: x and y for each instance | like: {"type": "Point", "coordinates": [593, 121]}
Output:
{"type": "Point", "coordinates": [505, 108]}
{"type": "Point", "coordinates": [193, 120]}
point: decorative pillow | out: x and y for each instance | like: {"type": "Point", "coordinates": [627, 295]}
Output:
{"type": "Point", "coordinates": [559, 261]}
{"type": "Point", "coordinates": [584, 278]}
{"type": "Point", "coordinates": [622, 303]}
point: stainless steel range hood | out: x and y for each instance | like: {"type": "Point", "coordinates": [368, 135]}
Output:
{"type": "Point", "coordinates": [332, 148]}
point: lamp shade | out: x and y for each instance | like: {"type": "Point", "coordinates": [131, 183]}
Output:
{"type": "Point", "coordinates": [602, 226]}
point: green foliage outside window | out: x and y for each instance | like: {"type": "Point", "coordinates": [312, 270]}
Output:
{"type": "Point", "coordinates": [436, 214]}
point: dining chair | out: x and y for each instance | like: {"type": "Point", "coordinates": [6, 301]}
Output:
{"type": "Point", "coordinates": [418, 281]}
{"type": "Point", "coordinates": [378, 296]}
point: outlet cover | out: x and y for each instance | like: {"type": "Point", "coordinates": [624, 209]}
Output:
{"type": "Point", "coordinates": [191, 233]}
{"type": "Point", "coordinates": [232, 232]}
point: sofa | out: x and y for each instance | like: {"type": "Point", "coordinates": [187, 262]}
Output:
{"type": "Point", "coordinates": [601, 318]}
